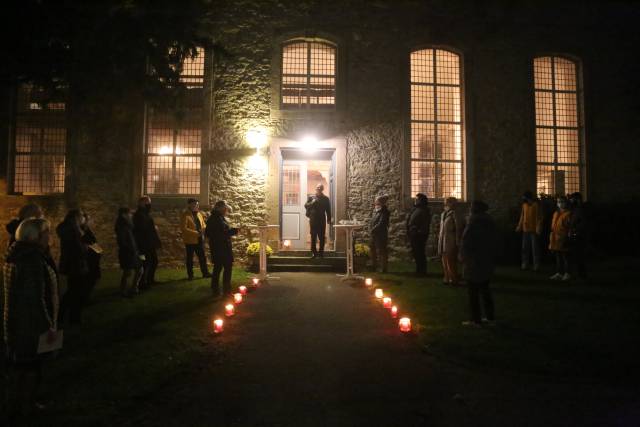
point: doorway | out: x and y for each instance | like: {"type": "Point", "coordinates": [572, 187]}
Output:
{"type": "Point", "coordinates": [300, 172]}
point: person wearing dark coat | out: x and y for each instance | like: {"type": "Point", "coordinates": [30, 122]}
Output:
{"type": "Point", "coordinates": [27, 211]}
{"type": "Point", "coordinates": [73, 264]}
{"type": "Point", "coordinates": [30, 311]}
{"type": "Point", "coordinates": [418, 226]}
{"type": "Point", "coordinates": [379, 230]}
{"type": "Point", "coordinates": [578, 235]}
{"type": "Point", "coordinates": [319, 212]}
{"type": "Point", "coordinates": [147, 239]}
{"type": "Point", "coordinates": [128, 255]}
{"type": "Point", "coordinates": [219, 234]}
{"type": "Point", "coordinates": [477, 254]}
{"type": "Point", "coordinates": [94, 255]}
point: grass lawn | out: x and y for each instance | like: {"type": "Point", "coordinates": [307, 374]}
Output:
{"type": "Point", "coordinates": [568, 330]}
{"type": "Point", "coordinates": [126, 349]}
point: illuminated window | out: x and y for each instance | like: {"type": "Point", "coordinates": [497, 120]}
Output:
{"type": "Point", "coordinates": [558, 126]}
{"type": "Point", "coordinates": [40, 143]}
{"type": "Point", "coordinates": [308, 75]}
{"type": "Point", "coordinates": [173, 146]}
{"type": "Point", "coordinates": [436, 124]}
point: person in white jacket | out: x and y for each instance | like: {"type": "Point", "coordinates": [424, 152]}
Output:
{"type": "Point", "coordinates": [451, 227]}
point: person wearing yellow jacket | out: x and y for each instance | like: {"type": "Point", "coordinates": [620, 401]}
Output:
{"type": "Point", "coordinates": [192, 225]}
{"type": "Point", "coordinates": [530, 225]}
{"type": "Point", "coordinates": [559, 239]}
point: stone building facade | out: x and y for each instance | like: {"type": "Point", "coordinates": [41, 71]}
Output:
{"type": "Point", "coordinates": [366, 135]}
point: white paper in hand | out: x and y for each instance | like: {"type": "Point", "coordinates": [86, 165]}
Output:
{"type": "Point", "coordinates": [44, 346]}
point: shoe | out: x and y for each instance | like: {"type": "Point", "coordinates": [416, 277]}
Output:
{"type": "Point", "coordinates": [488, 322]}
{"type": "Point", "coordinates": [313, 256]}
{"type": "Point", "coordinates": [471, 324]}
{"type": "Point", "coordinates": [556, 276]}
{"type": "Point", "coordinates": [566, 277]}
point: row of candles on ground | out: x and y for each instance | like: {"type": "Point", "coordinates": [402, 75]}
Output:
{"type": "Point", "coordinates": [404, 323]}
{"type": "Point", "coordinates": [230, 308]}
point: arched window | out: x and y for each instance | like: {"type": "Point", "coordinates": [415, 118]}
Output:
{"type": "Point", "coordinates": [558, 125]}
{"type": "Point", "coordinates": [308, 77]}
{"type": "Point", "coordinates": [436, 124]}
{"type": "Point", "coordinates": [173, 146]}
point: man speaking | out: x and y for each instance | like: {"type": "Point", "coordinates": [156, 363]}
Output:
{"type": "Point", "coordinates": [319, 213]}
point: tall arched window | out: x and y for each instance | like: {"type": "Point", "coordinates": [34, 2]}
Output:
{"type": "Point", "coordinates": [558, 125]}
{"type": "Point", "coordinates": [308, 74]}
{"type": "Point", "coordinates": [436, 124]}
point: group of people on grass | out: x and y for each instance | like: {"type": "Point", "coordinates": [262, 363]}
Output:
{"type": "Point", "coordinates": [31, 301]}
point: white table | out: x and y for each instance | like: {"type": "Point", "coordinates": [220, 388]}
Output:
{"type": "Point", "coordinates": [263, 232]}
{"type": "Point", "coordinates": [349, 228]}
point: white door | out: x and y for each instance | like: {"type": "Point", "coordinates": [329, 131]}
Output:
{"type": "Point", "coordinates": [299, 180]}
{"type": "Point", "coordinates": [294, 221]}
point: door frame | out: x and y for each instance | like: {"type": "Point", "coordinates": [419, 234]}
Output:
{"type": "Point", "coordinates": [339, 182]}
{"type": "Point", "coordinates": [328, 154]}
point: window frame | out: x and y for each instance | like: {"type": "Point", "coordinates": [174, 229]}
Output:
{"type": "Point", "coordinates": [581, 164]}
{"type": "Point", "coordinates": [465, 170]}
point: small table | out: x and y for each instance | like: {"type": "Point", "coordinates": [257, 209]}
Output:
{"type": "Point", "coordinates": [349, 228]}
{"type": "Point", "coordinates": [263, 231]}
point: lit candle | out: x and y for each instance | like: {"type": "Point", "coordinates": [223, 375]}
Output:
{"type": "Point", "coordinates": [256, 281]}
{"type": "Point", "coordinates": [286, 244]}
{"type": "Point", "coordinates": [218, 326]}
{"type": "Point", "coordinates": [243, 290]}
{"type": "Point", "coordinates": [405, 324]}
{"type": "Point", "coordinates": [368, 281]}
{"type": "Point", "coordinates": [394, 311]}
{"type": "Point", "coordinates": [386, 302]}
{"type": "Point", "coordinates": [229, 310]}
{"type": "Point", "coordinates": [237, 298]}
{"type": "Point", "coordinates": [379, 293]}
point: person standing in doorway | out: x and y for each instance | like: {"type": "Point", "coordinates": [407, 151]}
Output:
{"type": "Point", "coordinates": [477, 253]}
{"type": "Point", "coordinates": [319, 212]}
{"type": "Point", "coordinates": [418, 226]}
{"type": "Point", "coordinates": [193, 228]}
{"type": "Point", "coordinates": [559, 239]}
{"type": "Point", "coordinates": [530, 224]}
{"type": "Point", "coordinates": [147, 239]}
{"type": "Point", "coordinates": [451, 228]}
{"type": "Point", "coordinates": [219, 234]}
{"type": "Point", "coordinates": [379, 229]}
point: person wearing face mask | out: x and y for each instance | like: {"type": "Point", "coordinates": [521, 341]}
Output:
{"type": "Point", "coordinates": [451, 228]}
{"type": "Point", "coordinates": [128, 255]}
{"type": "Point", "coordinates": [418, 226]}
{"type": "Point", "coordinates": [379, 229]}
{"type": "Point", "coordinates": [147, 239]}
{"type": "Point", "coordinates": [530, 225]}
{"type": "Point", "coordinates": [73, 264]}
{"type": "Point", "coordinates": [558, 240]}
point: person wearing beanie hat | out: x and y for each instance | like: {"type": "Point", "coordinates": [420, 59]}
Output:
{"type": "Point", "coordinates": [379, 229]}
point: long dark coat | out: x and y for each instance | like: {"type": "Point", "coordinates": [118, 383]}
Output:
{"type": "Point", "coordinates": [144, 231]}
{"type": "Point", "coordinates": [379, 225]}
{"type": "Point", "coordinates": [219, 234]}
{"type": "Point", "coordinates": [419, 221]}
{"type": "Point", "coordinates": [31, 290]}
{"type": "Point", "coordinates": [319, 210]}
{"type": "Point", "coordinates": [128, 255]}
{"type": "Point", "coordinates": [478, 248]}
{"type": "Point", "coordinates": [73, 252]}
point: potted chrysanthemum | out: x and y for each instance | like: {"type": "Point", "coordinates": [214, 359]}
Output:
{"type": "Point", "coordinates": [253, 255]}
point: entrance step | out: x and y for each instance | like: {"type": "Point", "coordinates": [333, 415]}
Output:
{"type": "Point", "coordinates": [302, 261]}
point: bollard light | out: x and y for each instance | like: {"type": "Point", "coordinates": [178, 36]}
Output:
{"type": "Point", "coordinates": [237, 298]}
{"type": "Point", "coordinates": [386, 302]}
{"type": "Point", "coordinates": [405, 324]}
{"type": "Point", "coordinates": [218, 326]}
{"type": "Point", "coordinates": [379, 293]}
{"type": "Point", "coordinates": [229, 310]}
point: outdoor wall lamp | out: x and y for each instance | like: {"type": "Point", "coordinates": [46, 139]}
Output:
{"type": "Point", "coordinates": [257, 138]}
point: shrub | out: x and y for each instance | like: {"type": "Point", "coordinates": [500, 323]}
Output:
{"type": "Point", "coordinates": [254, 249]}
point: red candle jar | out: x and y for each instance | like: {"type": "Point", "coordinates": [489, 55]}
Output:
{"type": "Point", "coordinates": [394, 311]}
{"type": "Point", "coordinates": [256, 282]}
{"type": "Point", "coordinates": [386, 302]}
{"type": "Point", "coordinates": [237, 298]}
{"type": "Point", "coordinates": [368, 281]}
{"type": "Point", "coordinates": [229, 310]}
{"type": "Point", "coordinates": [379, 293]}
{"type": "Point", "coordinates": [404, 324]}
{"type": "Point", "coordinates": [243, 290]}
{"type": "Point", "coordinates": [218, 326]}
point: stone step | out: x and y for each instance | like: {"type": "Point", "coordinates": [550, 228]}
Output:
{"type": "Point", "coordinates": [293, 260]}
{"type": "Point", "coordinates": [317, 268]}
